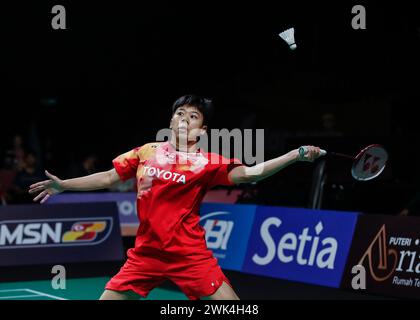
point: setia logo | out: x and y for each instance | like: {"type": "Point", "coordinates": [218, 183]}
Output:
{"type": "Point", "coordinates": [54, 232]}
{"type": "Point", "coordinates": [217, 231]}
{"type": "Point", "coordinates": [384, 262]}
{"type": "Point", "coordinates": [307, 248]}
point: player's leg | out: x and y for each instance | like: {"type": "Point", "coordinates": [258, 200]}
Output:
{"type": "Point", "coordinates": [199, 276]}
{"type": "Point", "coordinates": [139, 275]}
{"type": "Point", "coordinates": [225, 292]}
{"type": "Point", "coordinates": [119, 295]}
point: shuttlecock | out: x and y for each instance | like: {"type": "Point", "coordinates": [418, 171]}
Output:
{"type": "Point", "coordinates": [289, 36]}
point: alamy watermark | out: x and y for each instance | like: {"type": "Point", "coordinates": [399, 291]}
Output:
{"type": "Point", "coordinates": [59, 20]}
{"type": "Point", "coordinates": [58, 282]}
{"type": "Point", "coordinates": [358, 282]}
{"type": "Point", "coordinates": [359, 20]}
{"type": "Point", "coordinates": [248, 146]}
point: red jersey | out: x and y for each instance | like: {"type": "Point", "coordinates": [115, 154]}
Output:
{"type": "Point", "coordinates": [171, 186]}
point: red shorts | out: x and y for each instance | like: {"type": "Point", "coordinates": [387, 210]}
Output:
{"type": "Point", "coordinates": [197, 276]}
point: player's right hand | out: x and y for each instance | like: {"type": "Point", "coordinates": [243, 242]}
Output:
{"type": "Point", "coordinates": [309, 153]}
{"type": "Point", "coordinates": [46, 188]}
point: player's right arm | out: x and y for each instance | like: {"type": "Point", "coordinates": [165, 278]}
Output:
{"type": "Point", "coordinates": [54, 185]}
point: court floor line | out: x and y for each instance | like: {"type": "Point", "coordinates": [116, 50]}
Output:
{"type": "Point", "coordinates": [45, 294]}
{"type": "Point", "coordinates": [21, 296]}
{"type": "Point", "coordinates": [38, 293]}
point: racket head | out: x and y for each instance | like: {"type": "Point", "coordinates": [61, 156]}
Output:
{"type": "Point", "coordinates": [369, 163]}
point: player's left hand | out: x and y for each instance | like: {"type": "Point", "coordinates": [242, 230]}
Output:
{"type": "Point", "coordinates": [46, 188]}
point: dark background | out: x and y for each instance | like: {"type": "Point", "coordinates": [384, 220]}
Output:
{"type": "Point", "coordinates": [106, 84]}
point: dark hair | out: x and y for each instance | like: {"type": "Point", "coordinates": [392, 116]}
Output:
{"type": "Point", "coordinates": [205, 106]}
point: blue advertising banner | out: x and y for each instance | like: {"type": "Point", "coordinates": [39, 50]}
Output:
{"type": "Point", "coordinates": [126, 202]}
{"type": "Point", "coordinates": [300, 245]}
{"type": "Point", "coordinates": [59, 233]}
{"type": "Point", "coordinates": [228, 228]}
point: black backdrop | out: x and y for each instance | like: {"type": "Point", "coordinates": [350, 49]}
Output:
{"type": "Point", "coordinates": [106, 83]}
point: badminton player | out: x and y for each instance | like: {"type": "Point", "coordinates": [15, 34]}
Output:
{"type": "Point", "coordinates": [172, 179]}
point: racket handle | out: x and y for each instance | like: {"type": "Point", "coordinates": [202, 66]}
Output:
{"type": "Point", "coordinates": [304, 150]}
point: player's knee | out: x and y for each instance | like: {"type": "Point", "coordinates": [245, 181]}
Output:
{"type": "Point", "coordinates": [225, 292]}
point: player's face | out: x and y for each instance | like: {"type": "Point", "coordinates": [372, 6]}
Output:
{"type": "Point", "coordinates": [187, 122]}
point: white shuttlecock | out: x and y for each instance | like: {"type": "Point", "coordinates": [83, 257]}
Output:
{"type": "Point", "coordinates": [289, 36]}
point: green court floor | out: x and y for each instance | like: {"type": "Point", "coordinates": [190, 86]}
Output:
{"type": "Point", "coordinates": [76, 289]}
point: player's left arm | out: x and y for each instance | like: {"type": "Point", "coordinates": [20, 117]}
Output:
{"type": "Point", "coordinates": [244, 174]}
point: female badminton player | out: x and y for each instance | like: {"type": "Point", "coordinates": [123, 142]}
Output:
{"type": "Point", "coordinates": [170, 243]}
